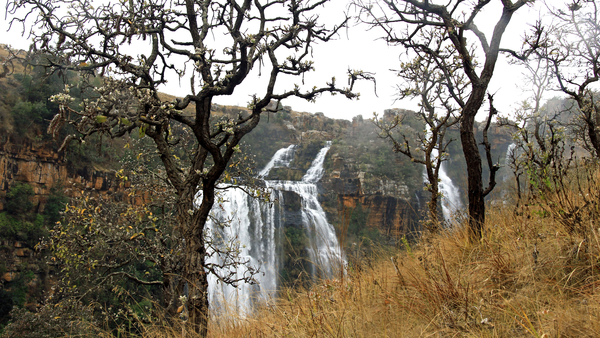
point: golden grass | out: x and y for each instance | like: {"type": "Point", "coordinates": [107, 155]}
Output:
{"type": "Point", "coordinates": [532, 275]}
{"type": "Point", "coordinates": [529, 277]}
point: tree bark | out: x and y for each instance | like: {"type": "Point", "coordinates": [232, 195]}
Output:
{"type": "Point", "coordinates": [194, 274]}
{"type": "Point", "coordinates": [473, 160]}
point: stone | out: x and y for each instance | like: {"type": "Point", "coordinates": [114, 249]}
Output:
{"type": "Point", "coordinates": [9, 276]}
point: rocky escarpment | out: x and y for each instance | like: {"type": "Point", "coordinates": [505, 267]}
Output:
{"type": "Point", "coordinates": [349, 183]}
{"type": "Point", "coordinates": [387, 203]}
{"type": "Point", "coordinates": [43, 169]}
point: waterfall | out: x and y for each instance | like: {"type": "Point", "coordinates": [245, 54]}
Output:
{"type": "Point", "coordinates": [315, 172]}
{"type": "Point", "coordinates": [282, 158]}
{"type": "Point", "coordinates": [509, 153]}
{"type": "Point", "coordinates": [255, 228]}
{"type": "Point", "coordinates": [251, 227]}
{"type": "Point", "coordinates": [324, 249]}
{"type": "Point", "coordinates": [451, 203]}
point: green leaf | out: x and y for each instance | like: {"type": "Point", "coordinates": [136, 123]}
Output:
{"type": "Point", "coordinates": [143, 130]}
{"type": "Point", "coordinates": [101, 119]}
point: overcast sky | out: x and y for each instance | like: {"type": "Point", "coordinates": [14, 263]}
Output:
{"type": "Point", "coordinates": [357, 48]}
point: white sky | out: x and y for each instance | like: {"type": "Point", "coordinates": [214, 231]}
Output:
{"type": "Point", "coordinates": [360, 49]}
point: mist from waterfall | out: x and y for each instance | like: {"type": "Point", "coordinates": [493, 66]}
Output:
{"type": "Point", "coordinates": [256, 228]}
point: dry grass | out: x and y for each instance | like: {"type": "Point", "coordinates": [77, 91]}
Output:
{"type": "Point", "coordinates": [532, 275]}
{"type": "Point", "coordinates": [529, 277]}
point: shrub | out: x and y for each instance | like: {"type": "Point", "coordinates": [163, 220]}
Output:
{"type": "Point", "coordinates": [17, 199]}
{"type": "Point", "coordinates": [56, 203]}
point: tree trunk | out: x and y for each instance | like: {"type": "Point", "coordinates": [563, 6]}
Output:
{"type": "Point", "coordinates": [435, 194]}
{"type": "Point", "coordinates": [593, 133]}
{"type": "Point", "coordinates": [433, 211]}
{"type": "Point", "coordinates": [192, 222]}
{"type": "Point", "coordinates": [474, 171]}
{"type": "Point", "coordinates": [194, 274]}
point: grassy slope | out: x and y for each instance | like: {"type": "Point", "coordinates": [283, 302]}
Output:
{"type": "Point", "coordinates": [529, 277]}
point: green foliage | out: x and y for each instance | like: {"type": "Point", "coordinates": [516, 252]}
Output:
{"type": "Point", "coordinates": [20, 228]}
{"type": "Point", "coordinates": [55, 204]}
{"type": "Point", "coordinates": [295, 261]}
{"type": "Point", "coordinates": [18, 222]}
{"type": "Point", "coordinates": [114, 255]}
{"type": "Point", "coordinates": [17, 199]}
{"type": "Point", "coordinates": [14, 294]}
{"type": "Point", "coordinates": [68, 319]}
{"type": "Point", "coordinates": [358, 221]}
{"type": "Point", "coordinates": [27, 114]}
{"type": "Point", "coordinates": [8, 225]}
{"type": "Point", "coordinates": [361, 241]}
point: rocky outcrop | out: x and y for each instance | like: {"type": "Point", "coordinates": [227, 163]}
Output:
{"type": "Point", "coordinates": [388, 203]}
{"type": "Point", "coordinates": [43, 168]}
{"type": "Point", "coordinates": [394, 217]}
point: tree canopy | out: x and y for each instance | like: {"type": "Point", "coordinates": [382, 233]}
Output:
{"type": "Point", "coordinates": [136, 46]}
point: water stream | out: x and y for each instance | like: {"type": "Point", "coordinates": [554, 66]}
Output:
{"type": "Point", "coordinates": [451, 203]}
{"type": "Point", "coordinates": [256, 228]}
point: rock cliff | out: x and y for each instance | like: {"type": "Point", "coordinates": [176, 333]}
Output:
{"type": "Point", "coordinates": [43, 168]}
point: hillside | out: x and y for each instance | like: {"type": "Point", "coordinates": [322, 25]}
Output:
{"type": "Point", "coordinates": [372, 197]}
{"type": "Point", "coordinates": [530, 276]}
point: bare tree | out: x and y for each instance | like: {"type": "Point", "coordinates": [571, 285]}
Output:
{"type": "Point", "coordinates": [409, 22]}
{"type": "Point", "coordinates": [135, 45]}
{"type": "Point", "coordinates": [529, 125]}
{"type": "Point", "coordinates": [424, 78]}
{"type": "Point", "coordinates": [572, 52]}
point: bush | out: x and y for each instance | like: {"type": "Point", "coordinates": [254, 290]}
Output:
{"type": "Point", "coordinates": [65, 319]}
{"type": "Point", "coordinates": [23, 230]}
{"type": "Point", "coordinates": [28, 114]}
{"type": "Point", "coordinates": [17, 199]}
{"type": "Point", "coordinates": [55, 204]}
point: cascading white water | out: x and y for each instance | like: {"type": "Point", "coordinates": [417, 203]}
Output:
{"type": "Point", "coordinates": [282, 158]}
{"type": "Point", "coordinates": [250, 227]}
{"type": "Point", "coordinates": [509, 154]}
{"type": "Point", "coordinates": [254, 227]}
{"type": "Point", "coordinates": [315, 172]}
{"type": "Point", "coordinates": [324, 249]}
{"type": "Point", "coordinates": [451, 203]}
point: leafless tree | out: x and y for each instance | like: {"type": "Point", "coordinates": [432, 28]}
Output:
{"type": "Point", "coordinates": [409, 22]}
{"type": "Point", "coordinates": [572, 52]}
{"type": "Point", "coordinates": [136, 45]}
{"type": "Point", "coordinates": [529, 126]}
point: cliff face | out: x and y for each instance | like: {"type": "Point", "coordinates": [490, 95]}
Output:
{"type": "Point", "coordinates": [43, 169]}
{"type": "Point", "coordinates": [387, 203]}
{"type": "Point", "coordinates": [392, 216]}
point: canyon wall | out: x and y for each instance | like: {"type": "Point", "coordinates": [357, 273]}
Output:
{"type": "Point", "coordinates": [43, 168]}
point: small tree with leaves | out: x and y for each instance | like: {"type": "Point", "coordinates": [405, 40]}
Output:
{"type": "Point", "coordinates": [135, 45]}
